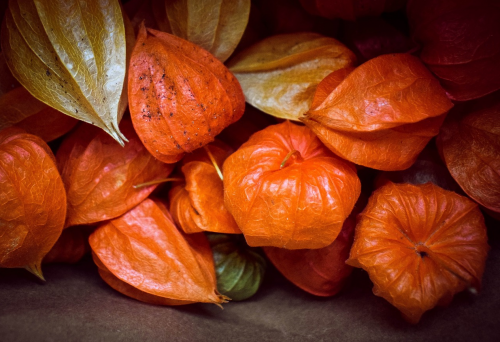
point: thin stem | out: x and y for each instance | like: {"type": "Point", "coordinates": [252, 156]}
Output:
{"type": "Point", "coordinates": [286, 158]}
{"type": "Point", "coordinates": [212, 159]}
{"type": "Point", "coordinates": [158, 181]}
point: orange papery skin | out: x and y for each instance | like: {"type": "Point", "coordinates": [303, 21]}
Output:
{"type": "Point", "coordinates": [321, 272]}
{"type": "Point", "coordinates": [469, 142]}
{"type": "Point", "coordinates": [143, 255]}
{"type": "Point", "coordinates": [197, 204]}
{"type": "Point", "coordinates": [420, 245]}
{"type": "Point", "coordinates": [99, 174]}
{"type": "Point", "coordinates": [300, 203]}
{"type": "Point", "coordinates": [49, 124]}
{"type": "Point", "coordinates": [382, 114]}
{"type": "Point", "coordinates": [180, 96]}
{"type": "Point", "coordinates": [32, 199]}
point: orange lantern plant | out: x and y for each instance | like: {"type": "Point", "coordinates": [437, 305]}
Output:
{"type": "Point", "coordinates": [143, 255]}
{"type": "Point", "coordinates": [285, 189]}
{"type": "Point", "coordinates": [382, 114]}
{"type": "Point", "coordinates": [180, 96]}
{"type": "Point", "coordinates": [197, 204]}
{"type": "Point", "coordinates": [420, 245]}
{"type": "Point", "coordinates": [32, 201]}
{"type": "Point", "coordinates": [99, 174]}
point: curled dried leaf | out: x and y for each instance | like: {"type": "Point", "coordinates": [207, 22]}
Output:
{"type": "Point", "coordinates": [143, 255]}
{"type": "Point", "coordinates": [280, 74]}
{"type": "Point", "coordinates": [198, 203]}
{"type": "Point", "coordinates": [420, 245]}
{"type": "Point", "coordinates": [284, 188]}
{"type": "Point", "coordinates": [382, 114]}
{"type": "Point", "coordinates": [33, 200]}
{"type": "Point", "coordinates": [70, 55]}
{"type": "Point", "coordinates": [180, 96]}
{"type": "Point", "coordinates": [99, 174]}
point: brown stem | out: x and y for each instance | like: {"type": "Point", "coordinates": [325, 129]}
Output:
{"type": "Point", "coordinates": [158, 181]}
{"type": "Point", "coordinates": [212, 159]}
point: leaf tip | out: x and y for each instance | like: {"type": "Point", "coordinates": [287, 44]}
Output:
{"type": "Point", "coordinates": [36, 269]}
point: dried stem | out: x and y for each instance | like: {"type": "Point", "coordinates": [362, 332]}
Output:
{"type": "Point", "coordinates": [158, 181]}
{"type": "Point", "coordinates": [212, 159]}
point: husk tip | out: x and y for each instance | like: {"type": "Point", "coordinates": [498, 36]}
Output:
{"type": "Point", "coordinates": [36, 269]}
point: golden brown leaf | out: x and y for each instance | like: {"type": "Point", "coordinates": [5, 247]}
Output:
{"type": "Point", "coordinates": [280, 74]}
{"type": "Point", "coordinates": [70, 55]}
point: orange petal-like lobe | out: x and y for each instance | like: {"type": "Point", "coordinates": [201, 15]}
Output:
{"type": "Point", "coordinates": [99, 174]}
{"type": "Point", "coordinates": [198, 204]}
{"type": "Point", "coordinates": [383, 113]}
{"type": "Point", "coordinates": [420, 245]}
{"type": "Point", "coordinates": [146, 251]}
{"type": "Point", "coordinates": [180, 96]}
{"type": "Point", "coordinates": [285, 189]}
{"type": "Point", "coordinates": [32, 201]}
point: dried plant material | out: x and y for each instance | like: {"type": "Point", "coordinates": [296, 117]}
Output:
{"type": "Point", "coordinates": [280, 74]}
{"type": "Point", "coordinates": [215, 25]}
{"type": "Point", "coordinates": [99, 174]}
{"type": "Point", "coordinates": [382, 114]}
{"type": "Point", "coordinates": [321, 272]}
{"type": "Point", "coordinates": [71, 246]}
{"type": "Point", "coordinates": [70, 55]}
{"type": "Point", "coordinates": [239, 268]}
{"type": "Point", "coordinates": [284, 188]}
{"type": "Point", "coordinates": [470, 145]}
{"type": "Point", "coordinates": [17, 105]}
{"type": "Point", "coordinates": [351, 9]}
{"type": "Point", "coordinates": [460, 44]}
{"type": "Point", "coordinates": [32, 201]}
{"type": "Point", "coordinates": [420, 245]}
{"type": "Point", "coordinates": [197, 204]}
{"type": "Point", "coordinates": [180, 96]}
{"type": "Point", "coordinates": [143, 255]}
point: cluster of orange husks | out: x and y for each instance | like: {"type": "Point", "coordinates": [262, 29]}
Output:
{"type": "Point", "coordinates": [288, 182]}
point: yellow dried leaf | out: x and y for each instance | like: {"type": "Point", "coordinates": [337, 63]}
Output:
{"type": "Point", "coordinates": [215, 25]}
{"type": "Point", "coordinates": [280, 74]}
{"type": "Point", "coordinates": [71, 55]}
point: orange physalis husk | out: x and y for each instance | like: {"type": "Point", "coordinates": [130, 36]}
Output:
{"type": "Point", "coordinates": [198, 204]}
{"type": "Point", "coordinates": [32, 201]}
{"type": "Point", "coordinates": [469, 142]}
{"type": "Point", "coordinates": [180, 96]}
{"type": "Point", "coordinates": [321, 272]}
{"type": "Point", "coordinates": [143, 255]}
{"type": "Point", "coordinates": [420, 245]}
{"type": "Point", "coordinates": [285, 189]}
{"type": "Point", "coordinates": [382, 114]}
{"type": "Point", "coordinates": [99, 174]}
{"type": "Point", "coordinates": [71, 246]}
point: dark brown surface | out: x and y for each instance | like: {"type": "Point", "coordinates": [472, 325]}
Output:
{"type": "Point", "coordinates": [76, 305]}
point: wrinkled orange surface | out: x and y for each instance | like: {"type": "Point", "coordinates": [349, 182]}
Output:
{"type": "Point", "coordinates": [180, 96]}
{"type": "Point", "coordinates": [470, 144]}
{"type": "Point", "coordinates": [32, 201]}
{"type": "Point", "coordinates": [420, 245]}
{"type": "Point", "coordinates": [383, 113]}
{"type": "Point", "coordinates": [99, 174]}
{"type": "Point", "coordinates": [300, 205]}
{"type": "Point", "coordinates": [146, 251]}
{"type": "Point", "coordinates": [321, 272]}
{"type": "Point", "coordinates": [198, 204]}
